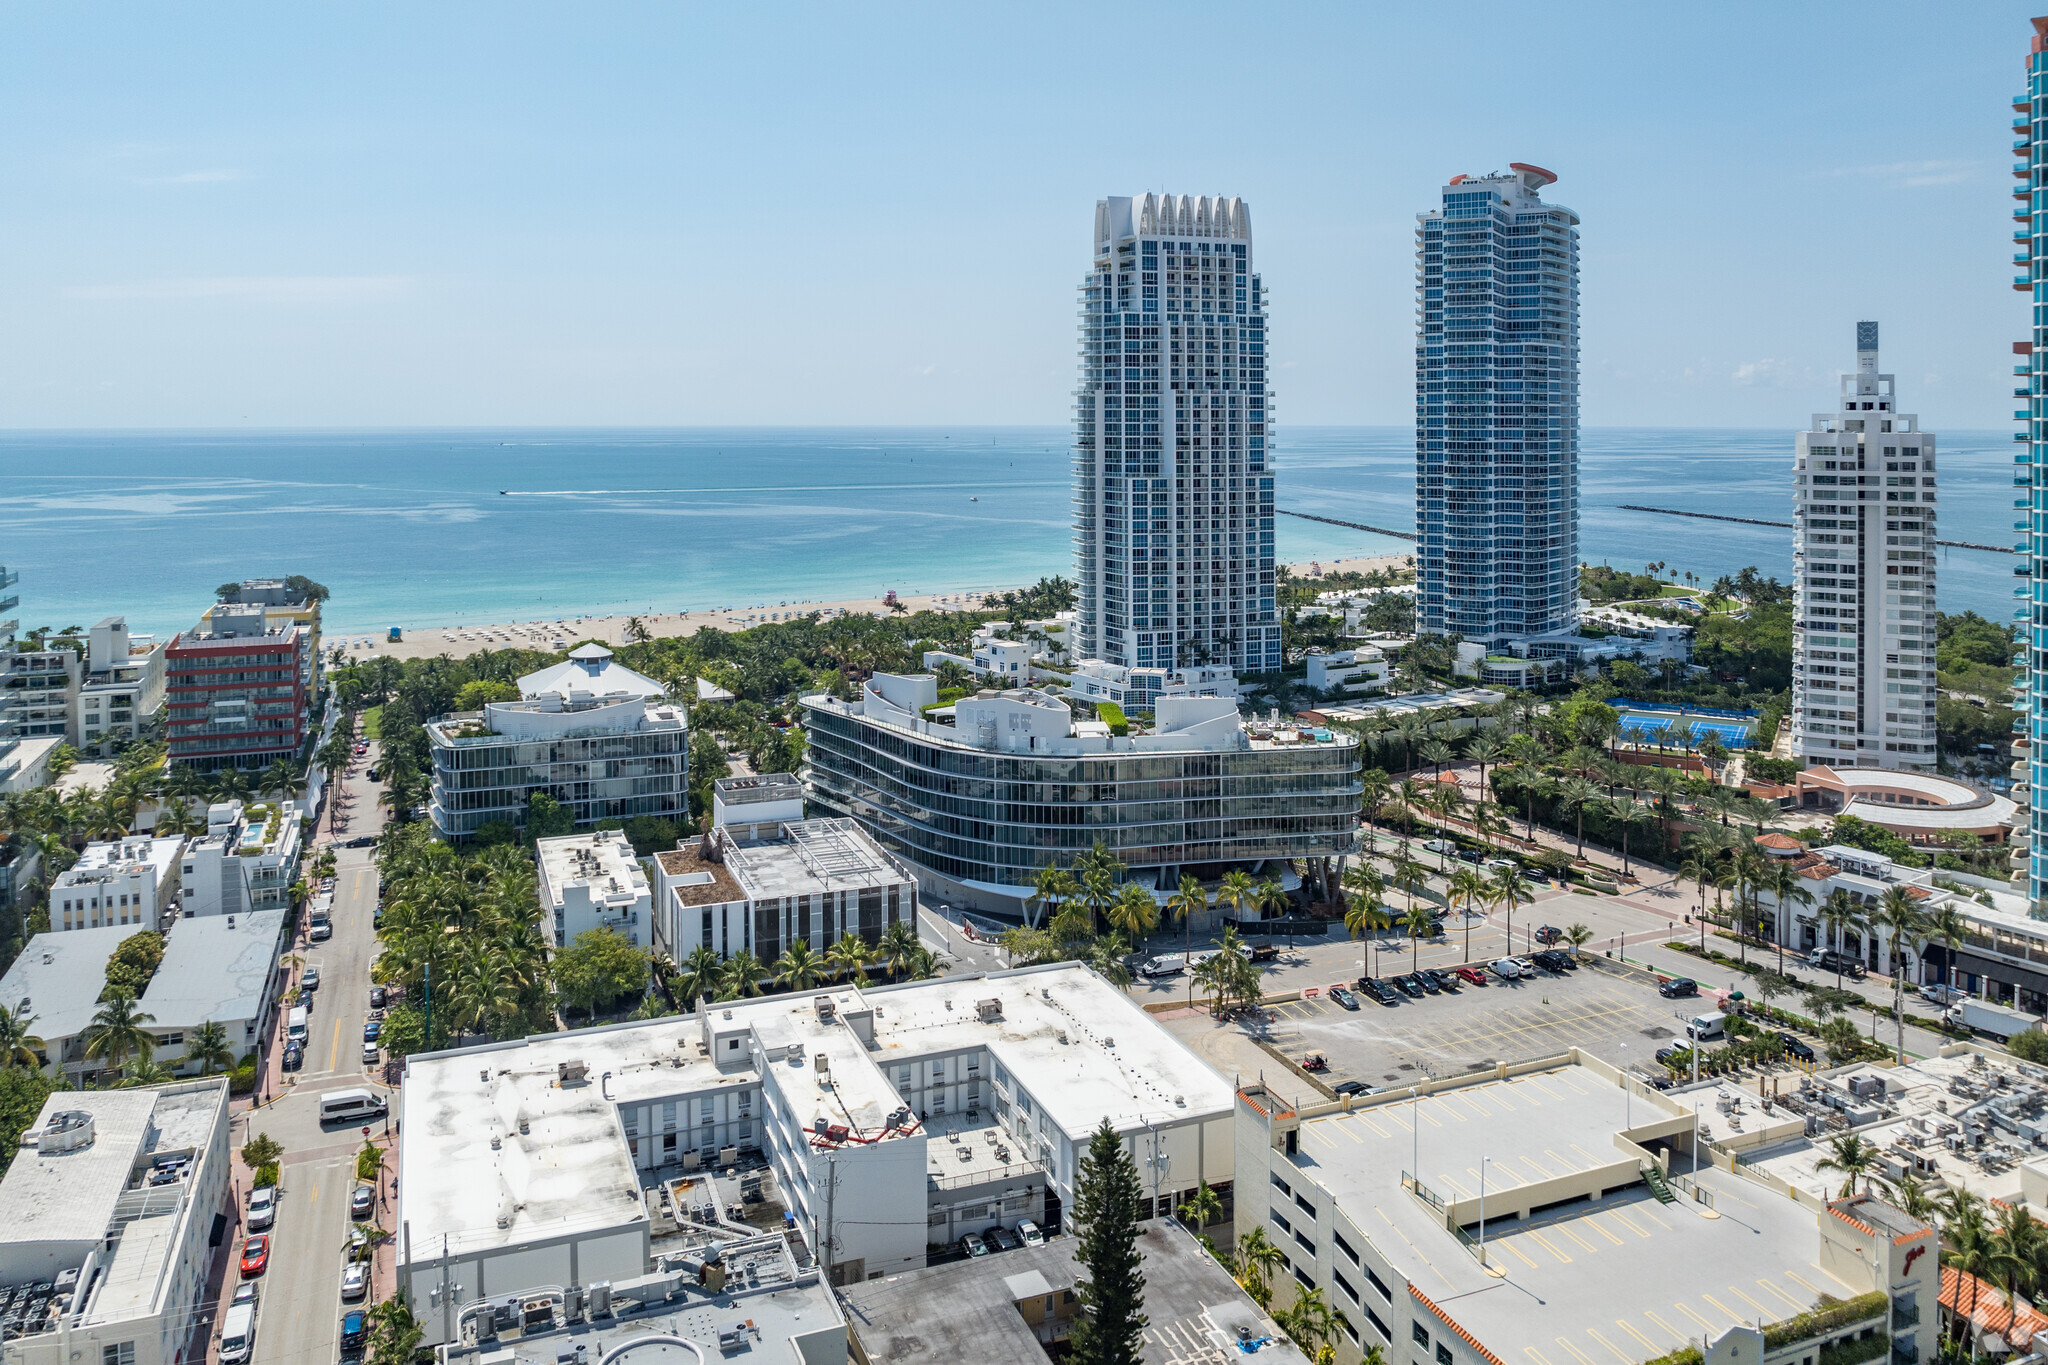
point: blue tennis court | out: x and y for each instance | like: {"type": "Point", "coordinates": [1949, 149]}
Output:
{"type": "Point", "coordinates": [1732, 734]}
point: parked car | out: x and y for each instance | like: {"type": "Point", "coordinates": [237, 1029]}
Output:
{"type": "Point", "coordinates": [371, 1030]}
{"type": "Point", "coordinates": [1162, 967]}
{"type": "Point", "coordinates": [1528, 967]}
{"type": "Point", "coordinates": [1501, 864]}
{"type": "Point", "coordinates": [362, 1203]}
{"type": "Point", "coordinates": [1445, 981]}
{"type": "Point", "coordinates": [370, 1056]}
{"type": "Point", "coordinates": [1344, 997]}
{"type": "Point", "coordinates": [1506, 968]}
{"type": "Point", "coordinates": [1549, 933]}
{"type": "Point", "coordinates": [262, 1208]}
{"type": "Point", "coordinates": [1264, 952]}
{"type": "Point", "coordinates": [1351, 1088]}
{"type": "Point", "coordinates": [1443, 846]}
{"type": "Point", "coordinates": [1426, 980]}
{"type": "Point", "coordinates": [1940, 995]}
{"type": "Point", "coordinates": [1795, 1046]}
{"type": "Point", "coordinates": [1550, 961]}
{"type": "Point", "coordinates": [1470, 855]}
{"type": "Point", "coordinates": [1378, 990]}
{"type": "Point", "coordinates": [355, 1281]}
{"type": "Point", "coordinates": [1679, 986]}
{"type": "Point", "coordinates": [1004, 1239]}
{"type": "Point", "coordinates": [255, 1255]}
{"type": "Point", "coordinates": [1471, 976]}
{"type": "Point", "coordinates": [294, 1057]}
{"type": "Point", "coordinates": [355, 1330]}
{"type": "Point", "coordinates": [320, 932]}
{"type": "Point", "coordinates": [245, 1292]}
{"type": "Point", "coordinates": [377, 997]}
{"type": "Point", "coordinates": [1028, 1230]}
{"type": "Point", "coordinates": [973, 1245]}
{"type": "Point", "coordinates": [1666, 1054]}
{"type": "Point", "coordinates": [310, 979]}
{"type": "Point", "coordinates": [1407, 987]}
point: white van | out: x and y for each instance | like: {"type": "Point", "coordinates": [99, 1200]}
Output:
{"type": "Point", "coordinates": [295, 1026]}
{"type": "Point", "coordinates": [340, 1106]}
{"type": "Point", "coordinates": [1706, 1026]}
{"type": "Point", "coordinates": [238, 1334]}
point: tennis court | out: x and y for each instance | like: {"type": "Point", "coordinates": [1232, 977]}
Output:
{"type": "Point", "coordinates": [1733, 734]}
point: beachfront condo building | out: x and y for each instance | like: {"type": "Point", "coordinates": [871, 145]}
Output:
{"type": "Point", "coordinates": [1497, 411]}
{"type": "Point", "coordinates": [237, 690]}
{"type": "Point", "coordinates": [1863, 578]}
{"type": "Point", "coordinates": [593, 735]}
{"type": "Point", "coordinates": [1011, 782]}
{"type": "Point", "coordinates": [1173, 484]}
{"type": "Point", "coordinates": [2030, 238]}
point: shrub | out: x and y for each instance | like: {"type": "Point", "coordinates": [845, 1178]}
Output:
{"type": "Point", "coordinates": [133, 963]}
{"type": "Point", "coordinates": [1113, 715]}
{"type": "Point", "coordinates": [266, 1174]}
{"type": "Point", "coordinates": [2031, 1046]}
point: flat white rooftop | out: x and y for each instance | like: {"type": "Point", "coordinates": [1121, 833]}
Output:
{"type": "Point", "coordinates": [815, 857]}
{"type": "Point", "coordinates": [70, 1196]}
{"type": "Point", "coordinates": [1620, 1275]}
{"type": "Point", "coordinates": [604, 860]}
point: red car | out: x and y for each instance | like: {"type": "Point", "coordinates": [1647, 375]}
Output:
{"type": "Point", "coordinates": [1471, 976]}
{"type": "Point", "coordinates": [255, 1255]}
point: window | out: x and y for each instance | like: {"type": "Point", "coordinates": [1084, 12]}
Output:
{"type": "Point", "coordinates": [1343, 1245]}
{"type": "Point", "coordinates": [121, 1354]}
{"type": "Point", "coordinates": [1279, 1219]}
{"type": "Point", "coordinates": [1305, 1206]}
{"type": "Point", "coordinates": [1421, 1334]}
{"type": "Point", "coordinates": [1279, 1184]}
{"type": "Point", "coordinates": [1443, 1354]}
{"type": "Point", "coordinates": [1344, 1285]}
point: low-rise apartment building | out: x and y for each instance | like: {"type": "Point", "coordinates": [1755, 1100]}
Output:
{"type": "Point", "coordinates": [130, 881]}
{"type": "Point", "coordinates": [1351, 672]}
{"type": "Point", "coordinates": [554, 1160]}
{"type": "Point", "coordinates": [286, 601]}
{"type": "Point", "coordinates": [592, 734]}
{"type": "Point", "coordinates": [1014, 784]}
{"type": "Point", "coordinates": [1139, 689]}
{"type": "Point", "coordinates": [237, 692]}
{"type": "Point", "coordinates": [761, 887]}
{"type": "Point", "coordinates": [246, 860]}
{"type": "Point", "coordinates": [36, 691]}
{"type": "Point", "coordinates": [222, 970]}
{"type": "Point", "coordinates": [1461, 1219]}
{"type": "Point", "coordinates": [593, 881]}
{"type": "Point", "coordinates": [107, 1224]}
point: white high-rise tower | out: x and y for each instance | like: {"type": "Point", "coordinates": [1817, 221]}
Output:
{"type": "Point", "coordinates": [1173, 485]}
{"type": "Point", "coordinates": [1863, 571]}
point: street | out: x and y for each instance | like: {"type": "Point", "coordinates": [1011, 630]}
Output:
{"type": "Point", "coordinates": [301, 1307]}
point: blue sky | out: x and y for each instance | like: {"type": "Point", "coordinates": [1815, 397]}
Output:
{"type": "Point", "coordinates": [626, 214]}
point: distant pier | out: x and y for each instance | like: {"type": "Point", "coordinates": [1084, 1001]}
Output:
{"type": "Point", "coordinates": [1756, 521]}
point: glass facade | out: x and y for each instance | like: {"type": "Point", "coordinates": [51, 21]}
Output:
{"type": "Point", "coordinates": [980, 815]}
{"type": "Point", "coordinates": [1173, 477]}
{"type": "Point", "coordinates": [599, 777]}
{"type": "Point", "coordinates": [1497, 410]}
{"type": "Point", "coordinates": [2030, 500]}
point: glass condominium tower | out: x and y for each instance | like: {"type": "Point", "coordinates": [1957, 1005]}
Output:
{"type": "Point", "coordinates": [1863, 578]}
{"type": "Point", "coordinates": [2030, 478]}
{"type": "Point", "coordinates": [1497, 410]}
{"type": "Point", "coordinates": [1173, 476]}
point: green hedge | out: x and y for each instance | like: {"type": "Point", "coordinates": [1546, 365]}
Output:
{"type": "Point", "coordinates": [1826, 1319]}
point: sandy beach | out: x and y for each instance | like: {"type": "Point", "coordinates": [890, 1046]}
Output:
{"type": "Point", "coordinates": [545, 634]}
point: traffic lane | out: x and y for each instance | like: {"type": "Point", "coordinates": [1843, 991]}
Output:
{"type": "Point", "coordinates": [300, 1316]}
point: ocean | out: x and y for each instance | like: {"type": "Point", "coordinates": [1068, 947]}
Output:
{"type": "Point", "coordinates": [420, 528]}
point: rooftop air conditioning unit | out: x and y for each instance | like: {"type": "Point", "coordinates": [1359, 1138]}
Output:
{"type": "Point", "coordinates": [988, 1009]}
{"type": "Point", "coordinates": [572, 1073]}
{"type": "Point", "coordinates": [823, 1004]}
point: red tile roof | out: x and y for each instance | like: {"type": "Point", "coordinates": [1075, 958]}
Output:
{"type": "Point", "coordinates": [1467, 1337]}
{"type": "Point", "coordinates": [1962, 1292]}
{"type": "Point", "coordinates": [1777, 840]}
{"type": "Point", "coordinates": [1818, 871]}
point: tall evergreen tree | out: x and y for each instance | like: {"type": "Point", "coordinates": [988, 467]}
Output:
{"type": "Point", "coordinates": [1107, 1199]}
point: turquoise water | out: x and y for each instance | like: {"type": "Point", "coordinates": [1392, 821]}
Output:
{"type": "Point", "coordinates": [410, 528]}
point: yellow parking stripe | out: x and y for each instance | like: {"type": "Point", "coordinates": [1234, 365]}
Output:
{"type": "Point", "coordinates": [1565, 1228]}
{"type": "Point", "coordinates": [1519, 1252]}
{"type": "Point", "coordinates": [1705, 1326]}
{"type": "Point", "coordinates": [1648, 1344]}
{"type": "Point", "coordinates": [1762, 1311]}
{"type": "Point", "coordinates": [1663, 1324]}
{"type": "Point", "coordinates": [1345, 1129]}
{"type": "Point", "coordinates": [1616, 1215]}
{"type": "Point", "coordinates": [1535, 1355]}
{"type": "Point", "coordinates": [1314, 1130]}
{"type": "Point", "coordinates": [1625, 1359]}
{"type": "Point", "coordinates": [1544, 1242]}
{"type": "Point", "coordinates": [1733, 1316]}
{"type": "Point", "coordinates": [1594, 1223]}
{"type": "Point", "coordinates": [1797, 1306]}
{"type": "Point", "coordinates": [1576, 1353]}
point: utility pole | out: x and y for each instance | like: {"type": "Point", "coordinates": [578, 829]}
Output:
{"type": "Point", "coordinates": [447, 1296]}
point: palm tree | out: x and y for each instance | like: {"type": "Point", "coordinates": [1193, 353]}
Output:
{"type": "Point", "coordinates": [1409, 876]}
{"type": "Point", "coordinates": [1106, 956]}
{"type": "Point", "coordinates": [1134, 912]}
{"type": "Point", "coordinates": [1698, 868]}
{"type": "Point", "coordinates": [1257, 1259]}
{"type": "Point", "coordinates": [1468, 886]}
{"type": "Point", "coordinates": [1098, 893]}
{"type": "Point", "coordinates": [1237, 888]}
{"type": "Point", "coordinates": [1372, 798]}
{"type": "Point", "coordinates": [1783, 881]}
{"type": "Point", "coordinates": [1366, 916]}
{"type": "Point", "coordinates": [742, 975]}
{"type": "Point", "coordinates": [1200, 1209]}
{"type": "Point", "coordinates": [1909, 1195]}
{"type": "Point", "coordinates": [1575, 794]}
{"type": "Point", "coordinates": [698, 976]}
{"type": "Point", "coordinates": [117, 1032]}
{"type": "Point", "coordinates": [1628, 812]}
{"type": "Point", "coordinates": [897, 943]}
{"type": "Point", "coordinates": [1311, 1322]}
{"type": "Point", "coordinates": [2019, 1243]}
{"type": "Point", "coordinates": [1510, 888]}
{"type": "Point", "coordinates": [1578, 936]}
{"type": "Point", "coordinates": [1482, 747]}
{"type": "Point", "coordinates": [1417, 922]}
{"type": "Point", "coordinates": [924, 964]}
{"type": "Point", "coordinates": [1183, 906]}
{"type": "Point", "coordinates": [850, 957]}
{"type": "Point", "coordinates": [1850, 1155]}
{"type": "Point", "coordinates": [1436, 753]}
{"type": "Point", "coordinates": [19, 1044]}
{"type": "Point", "coordinates": [1971, 1249]}
{"type": "Point", "coordinates": [1947, 925]}
{"type": "Point", "coordinates": [799, 967]}
{"type": "Point", "coordinates": [208, 1046]}
{"type": "Point", "coordinates": [146, 1071]}
{"type": "Point", "coordinates": [1903, 921]}
{"type": "Point", "coordinates": [1843, 916]}
{"type": "Point", "coordinates": [1051, 886]}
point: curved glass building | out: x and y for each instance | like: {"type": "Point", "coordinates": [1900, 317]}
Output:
{"type": "Point", "coordinates": [1015, 784]}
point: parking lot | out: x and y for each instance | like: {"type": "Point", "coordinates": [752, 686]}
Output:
{"type": "Point", "coordinates": [1612, 1017]}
